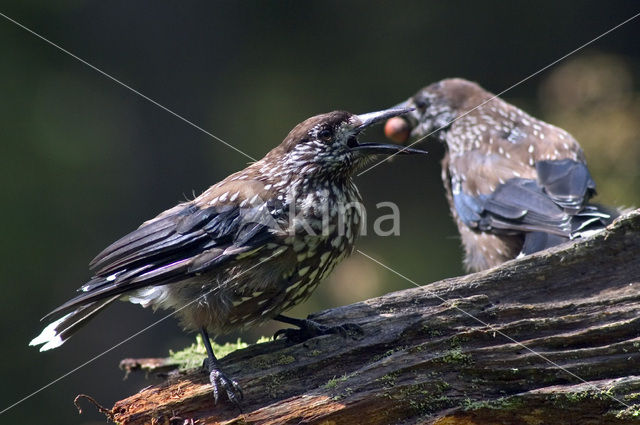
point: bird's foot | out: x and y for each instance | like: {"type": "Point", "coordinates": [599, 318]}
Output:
{"type": "Point", "coordinates": [310, 329]}
{"type": "Point", "coordinates": [220, 382]}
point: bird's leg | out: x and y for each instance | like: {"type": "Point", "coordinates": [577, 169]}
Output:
{"type": "Point", "coordinates": [218, 379]}
{"type": "Point", "coordinates": [309, 329]}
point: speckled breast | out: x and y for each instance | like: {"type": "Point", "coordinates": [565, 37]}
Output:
{"type": "Point", "coordinates": [336, 225]}
{"type": "Point", "coordinates": [324, 234]}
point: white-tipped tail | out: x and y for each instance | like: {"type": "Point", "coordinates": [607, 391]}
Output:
{"type": "Point", "coordinates": [57, 332]}
{"type": "Point", "coordinates": [49, 336]}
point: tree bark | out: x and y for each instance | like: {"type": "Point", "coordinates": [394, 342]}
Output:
{"type": "Point", "coordinates": [552, 338]}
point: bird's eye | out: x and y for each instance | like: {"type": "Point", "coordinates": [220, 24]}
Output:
{"type": "Point", "coordinates": [325, 135]}
{"type": "Point", "coordinates": [421, 103]}
{"type": "Point", "coordinates": [352, 142]}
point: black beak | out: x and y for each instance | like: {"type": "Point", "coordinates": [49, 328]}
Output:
{"type": "Point", "coordinates": [368, 120]}
{"type": "Point", "coordinates": [385, 149]}
{"type": "Point", "coordinates": [407, 104]}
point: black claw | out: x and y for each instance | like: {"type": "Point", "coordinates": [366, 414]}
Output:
{"type": "Point", "coordinates": [310, 329]}
{"type": "Point", "coordinates": [279, 332]}
{"type": "Point", "coordinates": [218, 378]}
{"type": "Point", "coordinates": [353, 330]}
{"type": "Point", "coordinates": [220, 381]}
{"type": "Point", "coordinates": [214, 384]}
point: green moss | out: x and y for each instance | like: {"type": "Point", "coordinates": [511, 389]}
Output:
{"type": "Point", "coordinates": [430, 331]}
{"type": "Point", "coordinates": [502, 403]}
{"type": "Point", "coordinates": [388, 380]}
{"type": "Point", "coordinates": [190, 357]}
{"type": "Point", "coordinates": [267, 362]}
{"type": "Point", "coordinates": [455, 355]}
{"type": "Point", "coordinates": [632, 411]}
{"type": "Point", "coordinates": [193, 356]}
{"type": "Point", "coordinates": [382, 356]}
{"type": "Point", "coordinates": [274, 386]}
{"type": "Point", "coordinates": [333, 382]}
{"type": "Point", "coordinates": [315, 353]}
{"type": "Point", "coordinates": [416, 349]}
{"type": "Point", "coordinates": [261, 363]}
{"type": "Point", "coordinates": [568, 401]}
{"type": "Point", "coordinates": [577, 397]}
{"type": "Point", "coordinates": [283, 360]}
{"type": "Point", "coordinates": [388, 353]}
{"type": "Point", "coordinates": [458, 340]}
{"type": "Point", "coordinates": [607, 396]}
{"type": "Point", "coordinates": [264, 339]}
{"type": "Point", "coordinates": [422, 398]}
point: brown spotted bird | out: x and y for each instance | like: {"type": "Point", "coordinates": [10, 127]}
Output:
{"type": "Point", "coordinates": [248, 248]}
{"type": "Point", "coordinates": [515, 184]}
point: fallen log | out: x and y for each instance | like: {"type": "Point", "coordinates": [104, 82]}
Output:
{"type": "Point", "coordinates": [551, 338]}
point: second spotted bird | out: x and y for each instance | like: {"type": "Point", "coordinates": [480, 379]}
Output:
{"type": "Point", "coordinates": [515, 184]}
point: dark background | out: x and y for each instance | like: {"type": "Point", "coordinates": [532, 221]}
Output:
{"type": "Point", "coordinates": [85, 160]}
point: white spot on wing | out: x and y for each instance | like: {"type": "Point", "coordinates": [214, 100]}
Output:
{"type": "Point", "coordinates": [303, 270]}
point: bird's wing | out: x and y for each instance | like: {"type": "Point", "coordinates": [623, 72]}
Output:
{"type": "Point", "coordinates": [518, 205]}
{"type": "Point", "coordinates": [189, 240]}
{"type": "Point", "coordinates": [521, 181]}
{"type": "Point", "coordinates": [567, 182]}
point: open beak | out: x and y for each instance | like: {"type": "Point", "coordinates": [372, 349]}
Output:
{"type": "Point", "coordinates": [368, 120]}
{"type": "Point", "coordinates": [385, 149]}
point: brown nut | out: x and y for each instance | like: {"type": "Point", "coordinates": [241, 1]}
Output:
{"type": "Point", "coordinates": [397, 130]}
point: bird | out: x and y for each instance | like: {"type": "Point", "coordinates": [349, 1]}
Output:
{"type": "Point", "coordinates": [246, 249]}
{"type": "Point", "coordinates": [515, 184]}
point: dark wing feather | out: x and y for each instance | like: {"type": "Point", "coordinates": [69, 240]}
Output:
{"type": "Point", "coordinates": [175, 232]}
{"type": "Point", "coordinates": [537, 241]}
{"type": "Point", "coordinates": [518, 205]}
{"type": "Point", "coordinates": [186, 242]}
{"type": "Point", "coordinates": [469, 208]}
{"type": "Point", "coordinates": [141, 237]}
{"type": "Point", "coordinates": [567, 182]}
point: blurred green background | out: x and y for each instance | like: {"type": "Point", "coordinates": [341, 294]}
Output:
{"type": "Point", "coordinates": [84, 160]}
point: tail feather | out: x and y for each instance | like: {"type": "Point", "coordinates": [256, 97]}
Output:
{"type": "Point", "coordinates": [538, 241]}
{"type": "Point", "coordinates": [591, 219]}
{"type": "Point", "coordinates": [58, 331]}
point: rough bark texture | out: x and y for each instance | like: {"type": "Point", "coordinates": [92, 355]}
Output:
{"type": "Point", "coordinates": [553, 338]}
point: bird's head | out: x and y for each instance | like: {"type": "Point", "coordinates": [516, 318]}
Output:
{"type": "Point", "coordinates": [328, 144]}
{"type": "Point", "coordinates": [434, 108]}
